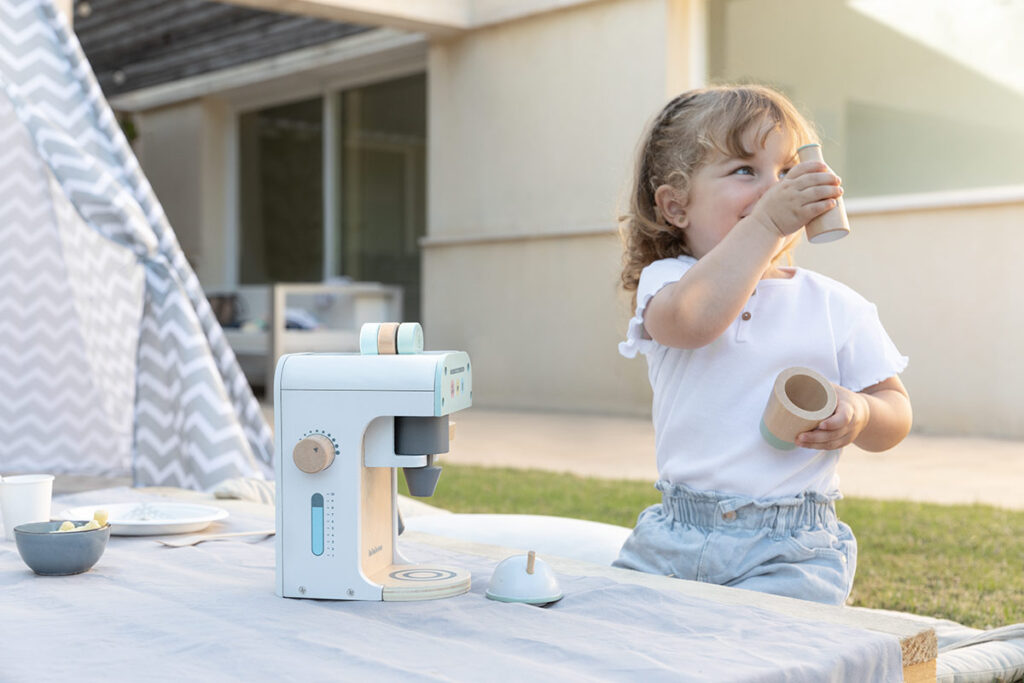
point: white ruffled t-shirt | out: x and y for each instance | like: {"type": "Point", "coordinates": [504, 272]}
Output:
{"type": "Point", "coordinates": [708, 401]}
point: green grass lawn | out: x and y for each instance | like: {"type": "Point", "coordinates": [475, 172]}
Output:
{"type": "Point", "coordinates": [959, 562]}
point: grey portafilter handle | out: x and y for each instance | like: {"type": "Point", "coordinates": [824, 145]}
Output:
{"type": "Point", "coordinates": [421, 436]}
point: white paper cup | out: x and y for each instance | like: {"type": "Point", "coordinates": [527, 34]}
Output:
{"type": "Point", "coordinates": [25, 498]}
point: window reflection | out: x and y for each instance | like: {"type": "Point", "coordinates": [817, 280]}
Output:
{"type": "Point", "coordinates": [281, 194]}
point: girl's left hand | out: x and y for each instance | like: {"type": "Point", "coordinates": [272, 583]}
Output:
{"type": "Point", "coordinates": [843, 427]}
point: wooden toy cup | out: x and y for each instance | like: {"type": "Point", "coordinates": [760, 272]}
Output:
{"type": "Point", "coordinates": [800, 399]}
{"type": "Point", "coordinates": [833, 224]}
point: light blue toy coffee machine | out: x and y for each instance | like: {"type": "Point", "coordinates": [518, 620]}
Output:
{"type": "Point", "coordinates": [344, 424]}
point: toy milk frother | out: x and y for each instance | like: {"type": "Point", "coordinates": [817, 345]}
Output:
{"type": "Point", "coordinates": [344, 424]}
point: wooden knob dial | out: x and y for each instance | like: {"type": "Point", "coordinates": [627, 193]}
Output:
{"type": "Point", "coordinates": [313, 454]}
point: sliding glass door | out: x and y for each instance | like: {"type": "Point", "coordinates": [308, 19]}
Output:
{"type": "Point", "coordinates": [371, 147]}
{"type": "Point", "coordinates": [281, 235]}
{"type": "Point", "coordinates": [383, 180]}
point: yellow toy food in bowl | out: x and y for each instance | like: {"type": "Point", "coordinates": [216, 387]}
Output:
{"type": "Point", "coordinates": [99, 519]}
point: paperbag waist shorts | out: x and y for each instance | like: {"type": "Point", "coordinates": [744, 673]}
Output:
{"type": "Point", "coordinates": [795, 547]}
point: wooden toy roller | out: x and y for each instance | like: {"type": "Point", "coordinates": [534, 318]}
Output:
{"type": "Point", "coordinates": [833, 224]}
{"type": "Point", "coordinates": [800, 399]}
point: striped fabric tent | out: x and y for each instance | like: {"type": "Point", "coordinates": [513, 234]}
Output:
{"type": "Point", "coordinates": [111, 360]}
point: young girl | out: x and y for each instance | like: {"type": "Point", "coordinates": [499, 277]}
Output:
{"type": "Point", "coordinates": [719, 198]}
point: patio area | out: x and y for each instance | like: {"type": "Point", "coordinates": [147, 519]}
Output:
{"type": "Point", "coordinates": [932, 469]}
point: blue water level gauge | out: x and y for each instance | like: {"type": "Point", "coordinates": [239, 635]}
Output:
{"type": "Point", "coordinates": [317, 525]}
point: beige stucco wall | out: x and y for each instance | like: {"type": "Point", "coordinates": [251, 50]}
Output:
{"type": "Point", "coordinates": [946, 282]}
{"type": "Point", "coordinates": [533, 126]}
{"type": "Point", "coordinates": [182, 151]}
{"type": "Point", "coordinates": [169, 148]}
{"type": "Point", "coordinates": [540, 319]}
{"type": "Point", "coordinates": [532, 123]}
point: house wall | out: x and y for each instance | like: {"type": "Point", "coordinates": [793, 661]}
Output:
{"type": "Point", "coordinates": [946, 281]}
{"type": "Point", "coordinates": [169, 147]}
{"type": "Point", "coordinates": [183, 151]}
{"type": "Point", "coordinates": [533, 126]}
{"type": "Point", "coordinates": [930, 123]}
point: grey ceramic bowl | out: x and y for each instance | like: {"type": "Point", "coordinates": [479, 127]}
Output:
{"type": "Point", "coordinates": [59, 554]}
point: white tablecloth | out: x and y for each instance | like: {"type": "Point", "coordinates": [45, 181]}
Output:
{"type": "Point", "coordinates": [209, 613]}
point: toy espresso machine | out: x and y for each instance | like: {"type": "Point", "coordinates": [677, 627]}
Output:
{"type": "Point", "coordinates": [344, 424]}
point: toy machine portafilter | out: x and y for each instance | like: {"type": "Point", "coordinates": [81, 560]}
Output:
{"type": "Point", "coordinates": [422, 436]}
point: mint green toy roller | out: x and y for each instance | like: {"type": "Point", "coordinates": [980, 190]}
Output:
{"type": "Point", "coordinates": [410, 338]}
{"type": "Point", "coordinates": [368, 338]}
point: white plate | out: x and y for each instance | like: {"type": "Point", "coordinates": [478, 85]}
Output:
{"type": "Point", "coordinates": [151, 519]}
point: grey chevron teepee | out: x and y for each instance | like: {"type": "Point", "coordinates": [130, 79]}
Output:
{"type": "Point", "coordinates": [110, 358]}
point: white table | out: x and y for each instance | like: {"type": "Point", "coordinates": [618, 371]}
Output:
{"type": "Point", "coordinates": [208, 612]}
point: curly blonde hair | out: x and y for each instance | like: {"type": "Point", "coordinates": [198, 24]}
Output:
{"type": "Point", "coordinates": [677, 143]}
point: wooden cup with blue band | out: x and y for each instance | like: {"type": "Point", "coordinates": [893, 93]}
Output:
{"type": "Point", "coordinates": [800, 399]}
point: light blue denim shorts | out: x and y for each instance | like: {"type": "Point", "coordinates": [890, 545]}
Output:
{"type": "Point", "coordinates": [795, 547]}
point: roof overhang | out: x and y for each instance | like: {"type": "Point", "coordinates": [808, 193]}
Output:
{"type": "Point", "coordinates": [334, 63]}
{"type": "Point", "coordinates": [434, 18]}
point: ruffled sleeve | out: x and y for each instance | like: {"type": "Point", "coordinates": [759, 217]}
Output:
{"type": "Point", "coordinates": [868, 356]}
{"type": "Point", "coordinates": [652, 279]}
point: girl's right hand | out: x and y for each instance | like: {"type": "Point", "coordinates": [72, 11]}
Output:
{"type": "Point", "coordinates": [808, 190]}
